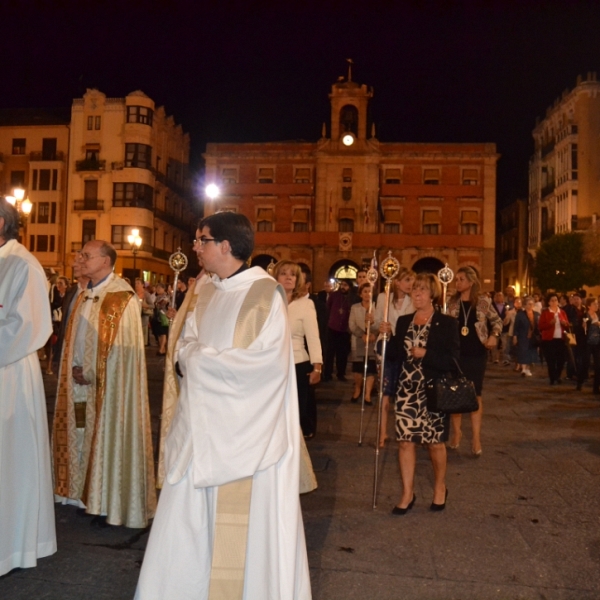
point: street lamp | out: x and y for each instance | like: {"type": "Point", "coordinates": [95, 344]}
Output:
{"type": "Point", "coordinates": [135, 241]}
{"type": "Point", "coordinates": [23, 206]}
{"type": "Point", "coordinates": [212, 191]}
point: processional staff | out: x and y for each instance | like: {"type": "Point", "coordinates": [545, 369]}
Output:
{"type": "Point", "coordinates": [445, 275]}
{"type": "Point", "coordinates": [178, 262]}
{"type": "Point", "coordinates": [389, 270]}
{"type": "Point", "coordinates": [372, 279]}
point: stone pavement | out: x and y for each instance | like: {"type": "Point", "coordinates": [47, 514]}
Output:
{"type": "Point", "coordinates": [522, 521]}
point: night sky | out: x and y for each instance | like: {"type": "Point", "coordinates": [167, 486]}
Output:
{"type": "Point", "coordinates": [246, 71]}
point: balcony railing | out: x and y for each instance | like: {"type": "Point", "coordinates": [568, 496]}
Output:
{"type": "Point", "coordinates": [582, 223]}
{"type": "Point", "coordinates": [90, 165]}
{"type": "Point", "coordinates": [172, 219]}
{"type": "Point", "coordinates": [547, 148]}
{"type": "Point", "coordinates": [42, 156]}
{"type": "Point", "coordinates": [134, 203]}
{"type": "Point", "coordinates": [162, 254]}
{"type": "Point", "coordinates": [88, 205]}
{"type": "Point", "coordinates": [548, 189]}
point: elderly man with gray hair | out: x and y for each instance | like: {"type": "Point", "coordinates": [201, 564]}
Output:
{"type": "Point", "coordinates": [26, 510]}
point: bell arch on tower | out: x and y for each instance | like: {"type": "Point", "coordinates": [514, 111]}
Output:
{"type": "Point", "coordinates": [349, 119]}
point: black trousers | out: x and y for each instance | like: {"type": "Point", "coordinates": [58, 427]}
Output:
{"type": "Point", "coordinates": [554, 353]}
{"type": "Point", "coordinates": [582, 375]}
{"type": "Point", "coordinates": [307, 402]}
{"type": "Point", "coordinates": [338, 348]}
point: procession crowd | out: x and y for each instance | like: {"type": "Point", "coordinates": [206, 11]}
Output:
{"type": "Point", "coordinates": [244, 351]}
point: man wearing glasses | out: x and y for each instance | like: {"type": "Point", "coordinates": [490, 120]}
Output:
{"type": "Point", "coordinates": [101, 439]}
{"type": "Point", "coordinates": [26, 512]}
{"type": "Point", "coordinates": [229, 522]}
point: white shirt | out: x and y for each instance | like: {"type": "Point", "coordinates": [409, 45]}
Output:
{"type": "Point", "coordinates": [302, 317]}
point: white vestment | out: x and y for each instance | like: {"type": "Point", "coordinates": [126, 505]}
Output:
{"type": "Point", "coordinates": [26, 505]}
{"type": "Point", "coordinates": [237, 417]}
{"type": "Point", "coordinates": [109, 463]}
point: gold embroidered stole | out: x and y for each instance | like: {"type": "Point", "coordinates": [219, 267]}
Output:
{"type": "Point", "coordinates": [64, 413]}
{"type": "Point", "coordinates": [233, 499]}
{"type": "Point", "coordinates": [171, 383]}
{"type": "Point", "coordinates": [111, 311]}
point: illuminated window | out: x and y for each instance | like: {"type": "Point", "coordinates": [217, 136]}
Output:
{"type": "Point", "coordinates": [302, 175]}
{"type": "Point", "coordinates": [470, 177]}
{"type": "Point", "coordinates": [300, 220]}
{"type": "Point", "coordinates": [139, 114]}
{"type": "Point", "coordinates": [393, 176]}
{"type": "Point", "coordinates": [431, 222]}
{"type": "Point", "coordinates": [431, 176]}
{"type": "Point", "coordinates": [229, 175]}
{"type": "Point", "coordinates": [266, 175]}
{"type": "Point", "coordinates": [469, 222]}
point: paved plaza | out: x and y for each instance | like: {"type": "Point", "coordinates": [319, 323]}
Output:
{"type": "Point", "coordinates": [522, 521]}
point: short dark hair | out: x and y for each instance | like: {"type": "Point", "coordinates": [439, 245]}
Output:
{"type": "Point", "coordinates": [9, 213]}
{"type": "Point", "coordinates": [107, 249]}
{"type": "Point", "coordinates": [233, 227]}
{"type": "Point", "coordinates": [551, 295]}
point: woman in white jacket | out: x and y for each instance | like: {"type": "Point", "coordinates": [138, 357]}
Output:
{"type": "Point", "coordinates": [302, 317]}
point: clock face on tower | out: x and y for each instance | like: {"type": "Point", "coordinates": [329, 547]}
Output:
{"type": "Point", "coordinates": [347, 139]}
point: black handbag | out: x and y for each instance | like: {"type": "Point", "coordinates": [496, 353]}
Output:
{"type": "Point", "coordinates": [451, 394]}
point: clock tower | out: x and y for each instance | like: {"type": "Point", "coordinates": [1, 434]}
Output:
{"type": "Point", "coordinates": [349, 102]}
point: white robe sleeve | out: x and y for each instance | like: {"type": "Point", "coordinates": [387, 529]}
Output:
{"type": "Point", "coordinates": [237, 400]}
{"type": "Point", "coordinates": [25, 321]}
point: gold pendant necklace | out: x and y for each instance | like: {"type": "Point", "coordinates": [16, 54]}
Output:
{"type": "Point", "coordinates": [465, 328]}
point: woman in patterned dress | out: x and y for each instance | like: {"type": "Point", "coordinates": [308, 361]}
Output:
{"type": "Point", "coordinates": [426, 346]}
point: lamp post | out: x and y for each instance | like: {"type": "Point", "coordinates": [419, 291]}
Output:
{"type": "Point", "coordinates": [135, 241]}
{"type": "Point", "coordinates": [23, 206]}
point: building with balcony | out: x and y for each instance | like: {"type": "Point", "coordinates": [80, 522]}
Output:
{"type": "Point", "coordinates": [34, 149]}
{"type": "Point", "coordinates": [564, 171]}
{"type": "Point", "coordinates": [129, 165]}
{"type": "Point", "coordinates": [332, 203]}
{"type": "Point", "coordinates": [514, 262]}
{"type": "Point", "coordinates": [97, 171]}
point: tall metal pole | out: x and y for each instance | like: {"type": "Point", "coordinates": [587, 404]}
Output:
{"type": "Point", "coordinates": [389, 269]}
{"type": "Point", "coordinates": [372, 279]}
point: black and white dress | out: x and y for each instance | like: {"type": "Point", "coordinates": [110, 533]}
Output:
{"type": "Point", "coordinates": [414, 423]}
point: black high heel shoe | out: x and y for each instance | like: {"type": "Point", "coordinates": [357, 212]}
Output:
{"type": "Point", "coordinates": [402, 511]}
{"type": "Point", "coordinates": [438, 507]}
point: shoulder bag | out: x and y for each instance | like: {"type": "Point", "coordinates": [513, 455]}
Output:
{"type": "Point", "coordinates": [451, 394]}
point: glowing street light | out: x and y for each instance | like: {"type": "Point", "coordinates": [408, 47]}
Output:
{"type": "Point", "coordinates": [135, 241]}
{"type": "Point", "coordinates": [212, 191]}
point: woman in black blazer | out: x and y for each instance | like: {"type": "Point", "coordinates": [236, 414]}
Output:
{"type": "Point", "coordinates": [426, 345]}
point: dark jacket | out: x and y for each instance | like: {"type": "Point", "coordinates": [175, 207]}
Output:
{"type": "Point", "coordinates": [443, 345]}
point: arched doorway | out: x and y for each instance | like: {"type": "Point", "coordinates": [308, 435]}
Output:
{"type": "Point", "coordinates": [343, 269]}
{"type": "Point", "coordinates": [428, 264]}
{"type": "Point", "coordinates": [263, 260]}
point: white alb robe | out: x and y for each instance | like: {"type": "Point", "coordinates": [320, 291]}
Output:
{"type": "Point", "coordinates": [237, 416]}
{"type": "Point", "coordinates": [27, 529]}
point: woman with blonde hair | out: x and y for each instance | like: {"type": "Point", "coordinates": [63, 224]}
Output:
{"type": "Point", "coordinates": [480, 327]}
{"type": "Point", "coordinates": [425, 346]}
{"type": "Point", "coordinates": [302, 318]}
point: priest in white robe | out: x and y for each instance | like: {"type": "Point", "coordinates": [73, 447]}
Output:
{"type": "Point", "coordinates": [101, 437]}
{"type": "Point", "coordinates": [27, 529]}
{"type": "Point", "coordinates": [228, 524]}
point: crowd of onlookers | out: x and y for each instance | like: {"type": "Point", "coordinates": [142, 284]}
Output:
{"type": "Point", "coordinates": [560, 330]}
{"type": "Point", "coordinates": [154, 299]}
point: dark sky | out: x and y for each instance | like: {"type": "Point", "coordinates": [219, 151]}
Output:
{"type": "Point", "coordinates": [260, 71]}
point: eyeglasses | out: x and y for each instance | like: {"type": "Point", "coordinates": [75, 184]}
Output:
{"type": "Point", "coordinates": [85, 256]}
{"type": "Point", "coordinates": [204, 240]}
